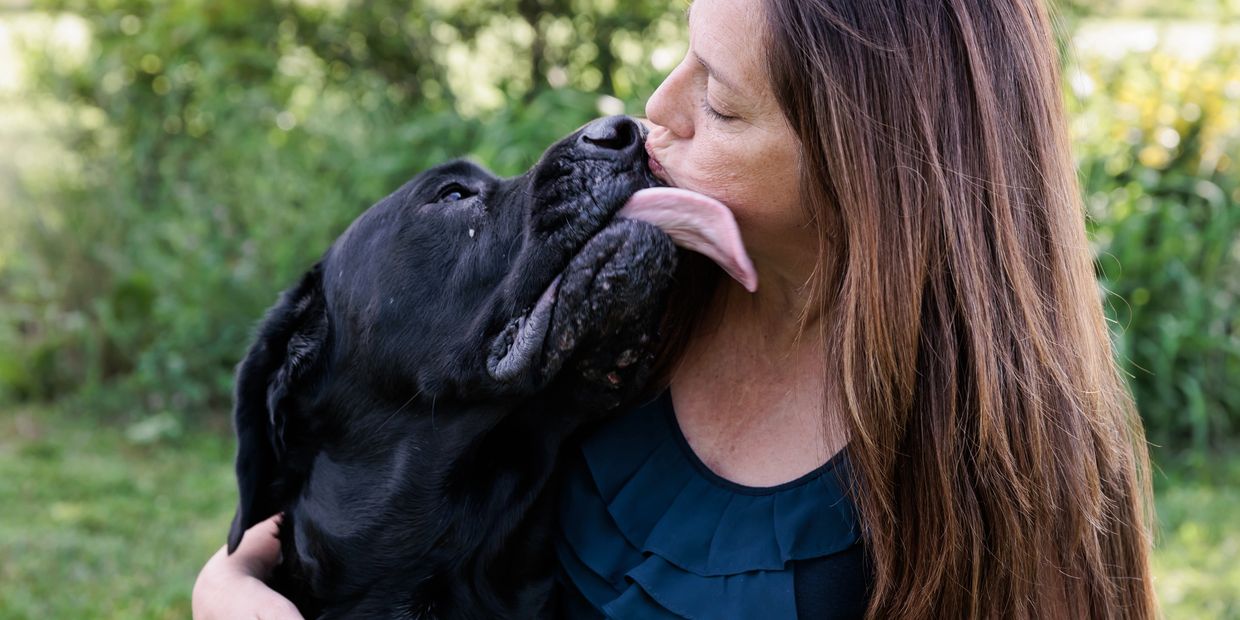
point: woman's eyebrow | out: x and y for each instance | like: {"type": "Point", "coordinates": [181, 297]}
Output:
{"type": "Point", "coordinates": [715, 75]}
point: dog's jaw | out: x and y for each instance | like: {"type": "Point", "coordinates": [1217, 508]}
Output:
{"type": "Point", "coordinates": [611, 295]}
{"type": "Point", "coordinates": [693, 221]}
{"type": "Point", "coordinates": [517, 347]}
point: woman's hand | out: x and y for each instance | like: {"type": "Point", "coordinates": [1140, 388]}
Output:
{"type": "Point", "coordinates": [231, 586]}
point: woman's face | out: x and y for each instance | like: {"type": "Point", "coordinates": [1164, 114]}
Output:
{"type": "Point", "coordinates": [719, 130]}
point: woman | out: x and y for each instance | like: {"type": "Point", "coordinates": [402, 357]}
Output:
{"type": "Point", "coordinates": [901, 175]}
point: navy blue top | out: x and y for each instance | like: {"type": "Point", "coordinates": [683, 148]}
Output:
{"type": "Point", "coordinates": [646, 530]}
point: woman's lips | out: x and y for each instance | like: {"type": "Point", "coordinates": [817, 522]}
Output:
{"type": "Point", "coordinates": [656, 167]}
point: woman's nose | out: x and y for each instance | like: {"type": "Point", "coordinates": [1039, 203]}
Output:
{"type": "Point", "coordinates": [669, 107]}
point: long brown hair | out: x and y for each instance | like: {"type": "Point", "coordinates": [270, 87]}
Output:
{"type": "Point", "coordinates": [1000, 467]}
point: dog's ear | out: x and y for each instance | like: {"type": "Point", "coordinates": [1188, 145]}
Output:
{"type": "Point", "coordinates": [289, 346]}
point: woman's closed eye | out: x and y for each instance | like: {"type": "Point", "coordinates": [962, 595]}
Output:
{"type": "Point", "coordinates": [714, 113]}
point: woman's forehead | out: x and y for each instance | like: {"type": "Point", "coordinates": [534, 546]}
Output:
{"type": "Point", "coordinates": [726, 37]}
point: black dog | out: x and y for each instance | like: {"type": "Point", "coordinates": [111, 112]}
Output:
{"type": "Point", "coordinates": [404, 404]}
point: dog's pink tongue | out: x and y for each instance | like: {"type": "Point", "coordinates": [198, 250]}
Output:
{"type": "Point", "coordinates": [695, 222]}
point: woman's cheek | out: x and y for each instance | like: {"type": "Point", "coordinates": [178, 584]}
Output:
{"type": "Point", "coordinates": [726, 177]}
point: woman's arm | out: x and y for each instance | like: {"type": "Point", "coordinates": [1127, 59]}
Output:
{"type": "Point", "coordinates": [231, 586]}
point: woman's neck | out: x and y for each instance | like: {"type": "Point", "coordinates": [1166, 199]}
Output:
{"type": "Point", "coordinates": [749, 393]}
{"type": "Point", "coordinates": [783, 310]}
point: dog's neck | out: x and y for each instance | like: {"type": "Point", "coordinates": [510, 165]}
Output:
{"type": "Point", "coordinates": [410, 492]}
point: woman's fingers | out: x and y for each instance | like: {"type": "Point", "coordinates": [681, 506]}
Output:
{"type": "Point", "coordinates": [231, 586]}
{"type": "Point", "coordinates": [244, 597]}
{"type": "Point", "coordinates": [259, 551]}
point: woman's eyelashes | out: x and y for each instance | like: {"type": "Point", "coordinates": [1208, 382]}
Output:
{"type": "Point", "coordinates": [714, 113]}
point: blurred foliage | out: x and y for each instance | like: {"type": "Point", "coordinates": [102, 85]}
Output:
{"type": "Point", "coordinates": [1197, 9]}
{"type": "Point", "coordinates": [218, 146]}
{"type": "Point", "coordinates": [209, 150]}
{"type": "Point", "coordinates": [1158, 139]}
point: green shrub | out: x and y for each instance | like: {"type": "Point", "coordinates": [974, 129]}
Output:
{"type": "Point", "coordinates": [209, 150]}
{"type": "Point", "coordinates": [218, 146]}
{"type": "Point", "coordinates": [1158, 137]}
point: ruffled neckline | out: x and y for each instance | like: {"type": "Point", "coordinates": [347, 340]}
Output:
{"type": "Point", "coordinates": [646, 526]}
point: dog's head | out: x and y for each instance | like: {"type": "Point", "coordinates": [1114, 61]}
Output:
{"type": "Point", "coordinates": [462, 286]}
{"type": "Point", "coordinates": [468, 284]}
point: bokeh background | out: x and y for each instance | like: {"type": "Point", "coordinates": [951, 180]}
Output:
{"type": "Point", "coordinates": [167, 166]}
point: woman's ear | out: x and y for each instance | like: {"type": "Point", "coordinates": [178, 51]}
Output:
{"type": "Point", "coordinates": [289, 344]}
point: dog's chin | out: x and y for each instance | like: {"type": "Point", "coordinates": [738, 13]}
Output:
{"type": "Point", "coordinates": [614, 280]}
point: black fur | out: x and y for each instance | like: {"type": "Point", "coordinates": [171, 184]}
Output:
{"type": "Point", "coordinates": [378, 407]}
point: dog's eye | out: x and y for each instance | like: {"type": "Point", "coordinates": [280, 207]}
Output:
{"type": "Point", "coordinates": [453, 193]}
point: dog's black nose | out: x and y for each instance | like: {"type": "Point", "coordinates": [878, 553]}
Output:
{"type": "Point", "coordinates": [613, 133]}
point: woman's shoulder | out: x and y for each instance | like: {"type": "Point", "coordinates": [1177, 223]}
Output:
{"type": "Point", "coordinates": [647, 529]}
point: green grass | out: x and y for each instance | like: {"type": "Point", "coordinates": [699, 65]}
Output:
{"type": "Point", "coordinates": [98, 521]}
{"type": "Point", "coordinates": [107, 520]}
{"type": "Point", "coordinates": [1197, 559]}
